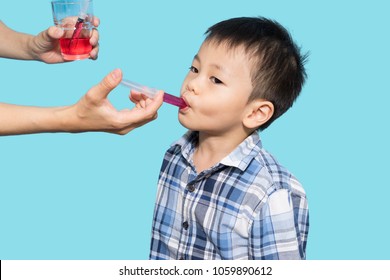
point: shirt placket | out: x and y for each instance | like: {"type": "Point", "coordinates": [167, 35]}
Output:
{"type": "Point", "coordinates": [190, 192]}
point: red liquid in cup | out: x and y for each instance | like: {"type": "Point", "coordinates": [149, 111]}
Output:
{"type": "Point", "coordinates": [77, 48]}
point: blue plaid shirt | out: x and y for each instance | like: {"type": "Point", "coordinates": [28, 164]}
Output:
{"type": "Point", "coordinates": [245, 207]}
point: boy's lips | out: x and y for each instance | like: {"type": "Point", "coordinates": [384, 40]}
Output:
{"type": "Point", "coordinates": [186, 102]}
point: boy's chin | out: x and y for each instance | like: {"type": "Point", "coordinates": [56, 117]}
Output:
{"type": "Point", "coordinates": [188, 125]}
{"type": "Point", "coordinates": [185, 124]}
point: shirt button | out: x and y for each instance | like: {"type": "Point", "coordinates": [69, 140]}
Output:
{"type": "Point", "coordinates": [191, 188]}
{"type": "Point", "coordinates": [185, 225]}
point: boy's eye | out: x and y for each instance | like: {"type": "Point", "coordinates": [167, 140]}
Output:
{"type": "Point", "coordinates": [193, 69]}
{"type": "Point", "coordinates": [216, 80]}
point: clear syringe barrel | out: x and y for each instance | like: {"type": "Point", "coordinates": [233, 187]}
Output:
{"type": "Point", "coordinates": [151, 92]}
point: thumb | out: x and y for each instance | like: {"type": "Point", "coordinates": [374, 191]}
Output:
{"type": "Point", "coordinates": [46, 38]}
{"type": "Point", "coordinates": [53, 33]}
{"type": "Point", "coordinates": [109, 82]}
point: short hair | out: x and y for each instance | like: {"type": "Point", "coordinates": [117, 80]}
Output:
{"type": "Point", "coordinates": [277, 71]}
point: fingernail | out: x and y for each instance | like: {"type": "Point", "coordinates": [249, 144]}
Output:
{"type": "Point", "coordinates": [58, 32]}
{"type": "Point", "coordinates": [116, 74]}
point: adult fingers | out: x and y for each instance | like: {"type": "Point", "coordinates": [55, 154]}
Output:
{"type": "Point", "coordinates": [96, 21]}
{"type": "Point", "coordinates": [94, 53]}
{"type": "Point", "coordinates": [94, 40]}
{"type": "Point", "coordinates": [154, 105]}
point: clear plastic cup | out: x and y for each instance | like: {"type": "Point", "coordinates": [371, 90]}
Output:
{"type": "Point", "coordinates": [75, 18]}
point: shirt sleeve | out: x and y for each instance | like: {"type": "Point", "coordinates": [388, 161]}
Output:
{"type": "Point", "coordinates": [275, 233]}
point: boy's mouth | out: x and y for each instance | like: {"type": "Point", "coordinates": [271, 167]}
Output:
{"type": "Point", "coordinates": [186, 104]}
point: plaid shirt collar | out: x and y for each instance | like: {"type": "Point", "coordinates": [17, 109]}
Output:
{"type": "Point", "coordinates": [240, 157]}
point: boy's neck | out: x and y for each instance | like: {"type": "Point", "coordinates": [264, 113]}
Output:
{"type": "Point", "coordinates": [212, 149]}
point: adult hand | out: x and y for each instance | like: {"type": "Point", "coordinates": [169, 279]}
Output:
{"type": "Point", "coordinates": [46, 47]}
{"type": "Point", "coordinates": [94, 112]}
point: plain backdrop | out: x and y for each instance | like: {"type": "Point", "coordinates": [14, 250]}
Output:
{"type": "Point", "coordinates": [91, 195]}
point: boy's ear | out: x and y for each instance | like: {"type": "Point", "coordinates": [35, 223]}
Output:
{"type": "Point", "coordinates": [258, 113]}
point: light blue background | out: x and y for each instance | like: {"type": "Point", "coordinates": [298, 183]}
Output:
{"type": "Point", "coordinates": [91, 196]}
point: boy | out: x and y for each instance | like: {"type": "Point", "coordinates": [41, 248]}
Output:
{"type": "Point", "coordinates": [220, 194]}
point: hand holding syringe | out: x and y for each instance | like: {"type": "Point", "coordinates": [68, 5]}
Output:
{"type": "Point", "coordinates": [151, 92]}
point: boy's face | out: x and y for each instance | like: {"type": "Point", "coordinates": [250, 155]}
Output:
{"type": "Point", "coordinates": [216, 90]}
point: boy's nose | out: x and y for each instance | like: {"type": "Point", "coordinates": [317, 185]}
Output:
{"type": "Point", "coordinates": [193, 85]}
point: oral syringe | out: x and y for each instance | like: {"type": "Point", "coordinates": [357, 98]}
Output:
{"type": "Point", "coordinates": [151, 92]}
{"type": "Point", "coordinates": [80, 21]}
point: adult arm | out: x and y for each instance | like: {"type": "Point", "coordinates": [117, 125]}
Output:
{"type": "Point", "coordinates": [42, 47]}
{"type": "Point", "coordinates": [93, 112]}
